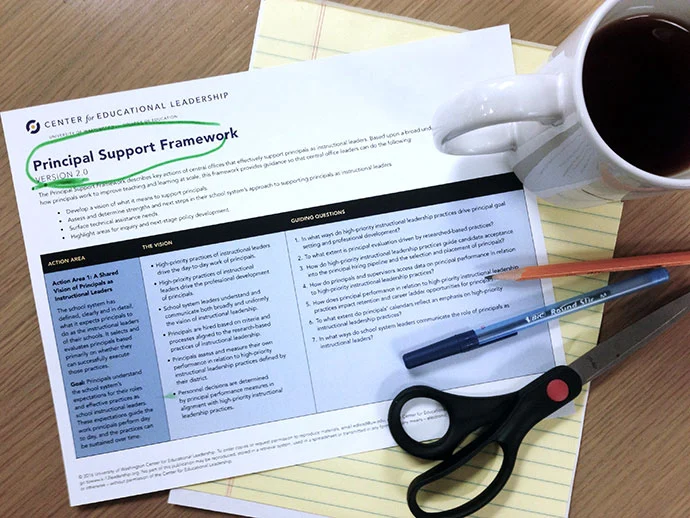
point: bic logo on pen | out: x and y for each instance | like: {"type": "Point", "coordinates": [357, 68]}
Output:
{"type": "Point", "coordinates": [33, 126]}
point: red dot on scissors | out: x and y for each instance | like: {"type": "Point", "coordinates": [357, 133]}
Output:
{"type": "Point", "coordinates": [557, 390]}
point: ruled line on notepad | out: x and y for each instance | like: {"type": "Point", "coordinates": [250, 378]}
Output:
{"type": "Point", "coordinates": [543, 430]}
{"type": "Point", "coordinates": [588, 343]}
{"type": "Point", "coordinates": [299, 43]}
{"type": "Point", "coordinates": [426, 491]}
{"type": "Point", "coordinates": [493, 456]}
{"type": "Point", "coordinates": [579, 324]}
{"type": "Point", "coordinates": [564, 418]}
{"type": "Point", "coordinates": [322, 486]}
{"type": "Point", "coordinates": [374, 513]}
{"type": "Point", "coordinates": [589, 213]}
{"type": "Point", "coordinates": [579, 227]}
{"type": "Point", "coordinates": [571, 242]}
{"type": "Point", "coordinates": [278, 55]}
{"type": "Point", "coordinates": [330, 504]}
{"type": "Point", "coordinates": [426, 505]}
{"type": "Point", "coordinates": [405, 486]}
{"type": "Point", "coordinates": [557, 286]}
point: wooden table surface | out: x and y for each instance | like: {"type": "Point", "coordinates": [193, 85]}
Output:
{"type": "Point", "coordinates": [635, 453]}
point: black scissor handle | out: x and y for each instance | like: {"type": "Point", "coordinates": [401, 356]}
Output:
{"type": "Point", "coordinates": [459, 459]}
{"type": "Point", "coordinates": [466, 415]}
{"type": "Point", "coordinates": [510, 417]}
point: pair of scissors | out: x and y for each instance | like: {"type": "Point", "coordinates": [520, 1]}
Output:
{"type": "Point", "coordinates": [505, 419]}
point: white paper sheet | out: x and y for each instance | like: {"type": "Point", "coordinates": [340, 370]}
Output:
{"type": "Point", "coordinates": [227, 270]}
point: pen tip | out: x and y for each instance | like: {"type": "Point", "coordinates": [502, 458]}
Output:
{"type": "Point", "coordinates": [489, 277]}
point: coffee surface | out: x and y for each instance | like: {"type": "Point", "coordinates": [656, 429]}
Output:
{"type": "Point", "coordinates": [636, 81]}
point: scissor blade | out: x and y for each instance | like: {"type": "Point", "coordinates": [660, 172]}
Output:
{"type": "Point", "coordinates": [618, 347]}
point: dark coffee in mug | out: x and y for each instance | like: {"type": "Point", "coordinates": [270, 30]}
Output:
{"type": "Point", "coordinates": [636, 81]}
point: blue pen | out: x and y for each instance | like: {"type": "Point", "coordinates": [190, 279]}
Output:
{"type": "Point", "coordinates": [474, 339]}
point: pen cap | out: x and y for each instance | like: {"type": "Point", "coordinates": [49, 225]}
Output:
{"type": "Point", "coordinates": [455, 344]}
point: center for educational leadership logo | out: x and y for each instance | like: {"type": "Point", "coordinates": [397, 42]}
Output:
{"type": "Point", "coordinates": [33, 126]}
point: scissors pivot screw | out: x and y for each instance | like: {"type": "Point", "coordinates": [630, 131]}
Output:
{"type": "Point", "coordinates": [557, 390]}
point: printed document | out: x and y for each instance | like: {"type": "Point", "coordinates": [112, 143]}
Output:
{"type": "Point", "coordinates": [226, 286]}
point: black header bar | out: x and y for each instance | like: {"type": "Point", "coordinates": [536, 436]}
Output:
{"type": "Point", "coordinates": [283, 222]}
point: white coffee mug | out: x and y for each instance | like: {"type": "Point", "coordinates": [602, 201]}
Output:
{"type": "Point", "coordinates": [542, 121]}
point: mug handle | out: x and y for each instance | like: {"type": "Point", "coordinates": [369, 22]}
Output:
{"type": "Point", "coordinates": [474, 121]}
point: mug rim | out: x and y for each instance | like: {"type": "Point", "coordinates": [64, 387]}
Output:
{"type": "Point", "coordinates": [599, 143]}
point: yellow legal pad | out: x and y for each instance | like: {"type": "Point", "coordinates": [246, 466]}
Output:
{"type": "Point", "coordinates": [375, 483]}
